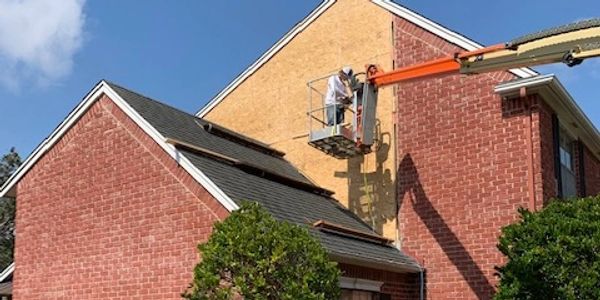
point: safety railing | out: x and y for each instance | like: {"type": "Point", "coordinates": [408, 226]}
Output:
{"type": "Point", "coordinates": [318, 117]}
{"type": "Point", "coordinates": [329, 131]}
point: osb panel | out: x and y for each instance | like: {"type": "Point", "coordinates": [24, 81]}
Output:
{"type": "Point", "coordinates": [271, 106]}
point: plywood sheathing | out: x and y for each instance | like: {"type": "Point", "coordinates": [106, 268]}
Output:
{"type": "Point", "coordinates": [271, 106]}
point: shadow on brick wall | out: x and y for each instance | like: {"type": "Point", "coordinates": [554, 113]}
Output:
{"type": "Point", "coordinates": [409, 183]}
{"type": "Point", "coordinates": [371, 193]}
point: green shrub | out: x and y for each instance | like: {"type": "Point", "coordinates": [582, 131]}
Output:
{"type": "Point", "coordinates": [255, 256]}
{"type": "Point", "coordinates": [553, 253]}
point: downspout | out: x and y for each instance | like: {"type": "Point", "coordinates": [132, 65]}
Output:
{"type": "Point", "coordinates": [529, 141]}
{"type": "Point", "coordinates": [422, 284]}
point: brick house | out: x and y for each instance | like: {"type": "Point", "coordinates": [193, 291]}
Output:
{"type": "Point", "coordinates": [113, 204]}
{"type": "Point", "coordinates": [457, 155]}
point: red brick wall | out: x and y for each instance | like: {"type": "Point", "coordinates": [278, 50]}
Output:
{"type": "Point", "coordinates": [106, 214]}
{"type": "Point", "coordinates": [592, 173]}
{"type": "Point", "coordinates": [401, 286]}
{"type": "Point", "coordinates": [550, 184]}
{"type": "Point", "coordinates": [462, 172]}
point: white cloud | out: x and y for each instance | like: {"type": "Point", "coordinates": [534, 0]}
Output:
{"type": "Point", "coordinates": [38, 39]}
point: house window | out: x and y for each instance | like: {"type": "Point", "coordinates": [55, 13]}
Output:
{"type": "Point", "coordinates": [567, 169]}
{"type": "Point", "coordinates": [361, 289]}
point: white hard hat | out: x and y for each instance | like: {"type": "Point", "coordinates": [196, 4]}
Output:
{"type": "Point", "coordinates": [347, 70]}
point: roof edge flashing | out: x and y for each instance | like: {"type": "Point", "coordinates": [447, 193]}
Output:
{"type": "Point", "coordinates": [377, 264]}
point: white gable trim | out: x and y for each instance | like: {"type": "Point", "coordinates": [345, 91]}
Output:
{"type": "Point", "coordinates": [6, 272]}
{"type": "Point", "coordinates": [390, 6]}
{"type": "Point", "coordinates": [77, 113]}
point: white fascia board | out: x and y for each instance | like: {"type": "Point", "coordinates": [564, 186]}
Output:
{"type": "Point", "coordinates": [360, 284]}
{"type": "Point", "coordinates": [516, 85]}
{"type": "Point", "coordinates": [266, 56]}
{"type": "Point", "coordinates": [6, 272]}
{"type": "Point", "coordinates": [93, 96]}
{"type": "Point", "coordinates": [390, 6]}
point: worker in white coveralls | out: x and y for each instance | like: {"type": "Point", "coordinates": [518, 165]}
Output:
{"type": "Point", "coordinates": [337, 96]}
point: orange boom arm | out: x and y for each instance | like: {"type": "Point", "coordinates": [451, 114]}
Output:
{"type": "Point", "coordinates": [570, 44]}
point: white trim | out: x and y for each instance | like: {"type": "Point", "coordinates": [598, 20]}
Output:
{"type": "Point", "coordinates": [559, 99]}
{"type": "Point", "coordinates": [104, 88]}
{"type": "Point", "coordinates": [516, 85]}
{"type": "Point", "coordinates": [360, 284]}
{"type": "Point", "coordinates": [266, 56]}
{"type": "Point", "coordinates": [390, 6]}
{"type": "Point", "coordinates": [6, 272]}
{"type": "Point", "coordinates": [51, 140]}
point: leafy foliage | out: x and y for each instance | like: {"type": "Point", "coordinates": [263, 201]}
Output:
{"type": "Point", "coordinates": [251, 254]}
{"type": "Point", "coordinates": [8, 165]}
{"type": "Point", "coordinates": [554, 253]}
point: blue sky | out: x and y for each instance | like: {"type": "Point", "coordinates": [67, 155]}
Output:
{"type": "Point", "coordinates": [184, 52]}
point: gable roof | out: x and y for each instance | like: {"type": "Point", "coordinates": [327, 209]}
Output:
{"type": "Point", "coordinates": [103, 88]}
{"type": "Point", "coordinates": [234, 168]}
{"type": "Point", "coordinates": [392, 7]}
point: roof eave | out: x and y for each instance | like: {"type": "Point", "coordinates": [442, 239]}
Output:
{"type": "Point", "coordinates": [374, 264]}
{"type": "Point", "coordinates": [563, 104]}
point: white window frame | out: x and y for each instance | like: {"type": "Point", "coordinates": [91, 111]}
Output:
{"type": "Point", "coordinates": [360, 284]}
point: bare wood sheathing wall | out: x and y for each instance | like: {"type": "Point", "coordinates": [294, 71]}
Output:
{"type": "Point", "coordinates": [271, 106]}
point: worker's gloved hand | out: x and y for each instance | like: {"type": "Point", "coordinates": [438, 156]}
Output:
{"type": "Point", "coordinates": [347, 100]}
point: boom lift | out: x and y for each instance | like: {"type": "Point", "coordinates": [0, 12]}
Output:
{"type": "Point", "coordinates": [570, 44]}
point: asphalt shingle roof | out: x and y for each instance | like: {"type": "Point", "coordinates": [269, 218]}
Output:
{"type": "Point", "coordinates": [174, 123]}
{"type": "Point", "coordinates": [284, 201]}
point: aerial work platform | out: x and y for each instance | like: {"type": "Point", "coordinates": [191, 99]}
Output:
{"type": "Point", "coordinates": [348, 138]}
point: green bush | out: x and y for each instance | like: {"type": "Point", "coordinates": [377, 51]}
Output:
{"type": "Point", "coordinates": [250, 254]}
{"type": "Point", "coordinates": [554, 253]}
